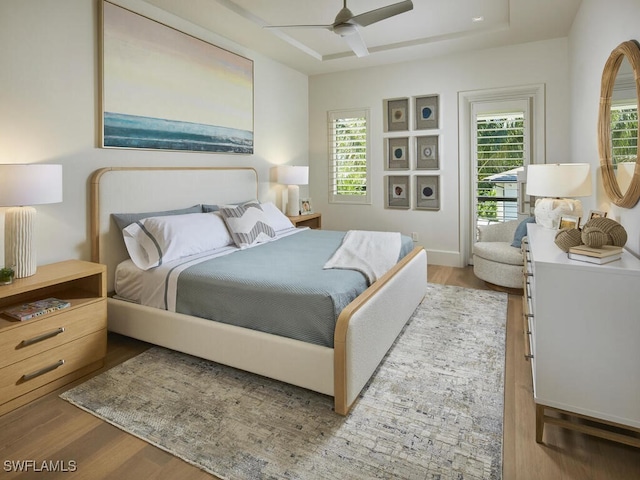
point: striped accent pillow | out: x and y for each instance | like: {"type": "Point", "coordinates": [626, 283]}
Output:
{"type": "Point", "coordinates": [247, 223]}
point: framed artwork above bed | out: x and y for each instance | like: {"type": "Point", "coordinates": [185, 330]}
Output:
{"type": "Point", "coordinates": [164, 89]}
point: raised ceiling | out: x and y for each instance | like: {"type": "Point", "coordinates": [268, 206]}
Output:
{"type": "Point", "coordinates": [432, 28]}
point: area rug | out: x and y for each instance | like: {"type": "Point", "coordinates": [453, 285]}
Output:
{"type": "Point", "coordinates": [433, 409]}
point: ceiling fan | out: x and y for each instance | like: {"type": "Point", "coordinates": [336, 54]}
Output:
{"type": "Point", "coordinates": [346, 23]}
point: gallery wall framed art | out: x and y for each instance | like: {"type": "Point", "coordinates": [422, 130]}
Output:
{"type": "Point", "coordinates": [396, 118]}
{"type": "Point", "coordinates": [164, 89]}
{"type": "Point", "coordinates": [427, 192]}
{"type": "Point", "coordinates": [397, 153]}
{"type": "Point", "coordinates": [397, 191]}
{"type": "Point", "coordinates": [427, 152]}
{"type": "Point", "coordinates": [427, 111]}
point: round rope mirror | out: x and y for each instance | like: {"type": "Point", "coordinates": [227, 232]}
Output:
{"type": "Point", "coordinates": [622, 193]}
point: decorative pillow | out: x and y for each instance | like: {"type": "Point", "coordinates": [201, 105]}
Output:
{"type": "Point", "coordinates": [247, 223]}
{"type": "Point", "coordinates": [210, 208]}
{"type": "Point", "coordinates": [278, 220]}
{"type": "Point", "coordinates": [123, 220]}
{"type": "Point", "coordinates": [521, 232]}
{"type": "Point", "coordinates": [206, 208]}
{"type": "Point", "coordinates": [156, 240]}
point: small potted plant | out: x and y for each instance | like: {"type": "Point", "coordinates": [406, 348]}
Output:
{"type": "Point", "coordinates": [6, 275]}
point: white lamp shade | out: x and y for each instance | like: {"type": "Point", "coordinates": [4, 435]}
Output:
{"type": "Point", "coordinates": [559, 180]}
{"type": "Point", "coordinates": [292, 175]}
{"type": "Point", "coordinates": [30, 184]}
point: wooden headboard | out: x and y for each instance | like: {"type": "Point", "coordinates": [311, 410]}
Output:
{"type": "Point", "coordinates": [152, 189]}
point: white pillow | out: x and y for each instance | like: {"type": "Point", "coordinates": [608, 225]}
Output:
{"type": "Point", "coordinates": [278, 220]}
{"type": "Point", "coordinates": [247, 223]}
{"type": "Point", "coordinates": [156, 240]}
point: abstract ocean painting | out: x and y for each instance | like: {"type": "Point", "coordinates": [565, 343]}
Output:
{"type": "Point", "coordinates": [165, 89]}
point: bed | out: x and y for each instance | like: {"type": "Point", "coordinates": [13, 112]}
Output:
{"type": "Point", "coordinates": [365, 328]}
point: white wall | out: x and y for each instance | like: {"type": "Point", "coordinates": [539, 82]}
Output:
{"type": "Point", "coordinates": [439, 232]}
{"type": "Point", "coordinates": [598, 28]}
{"type": "Point", "coordinates": [49, 110]}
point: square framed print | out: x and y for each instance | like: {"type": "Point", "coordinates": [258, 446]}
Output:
{"type": "Point", "coordinates": [427, 153]}
{"type": "Point", "coordinates": [427, 192]}
{"type": "Point", "coordinates": [397, 195]}
{"type": "Point", "coordinates": [427, 112]}
{"type": "Point", "coordinates": [396, 118]}
{"type": "Point", "coordinates": [397, 153]}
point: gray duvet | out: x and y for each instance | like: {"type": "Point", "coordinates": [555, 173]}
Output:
{"type": "Point", "coordinates": [279, 287]}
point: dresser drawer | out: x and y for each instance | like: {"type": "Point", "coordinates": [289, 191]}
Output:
{"type": "Point", "coordinates": [29, 339]}
{"type": "Point", "coordinates": [29, 374]}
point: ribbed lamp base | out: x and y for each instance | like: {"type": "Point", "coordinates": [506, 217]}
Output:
{"type": "Point", "coordinates": [293, 201]}
{"type": "Point", "coordinates": [19, 241]}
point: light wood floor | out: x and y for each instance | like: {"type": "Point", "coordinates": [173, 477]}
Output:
{"type": "Point", "coordinates": [52, 429]}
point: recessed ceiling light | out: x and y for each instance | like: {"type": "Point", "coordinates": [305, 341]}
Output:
{"type": "Point", "coordinates": [477, 19]}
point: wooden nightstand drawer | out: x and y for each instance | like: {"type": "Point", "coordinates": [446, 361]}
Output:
{"type": "Point", "coordinates": [22, 377]}
{"type": "Point", "coordinates": [32, 337]}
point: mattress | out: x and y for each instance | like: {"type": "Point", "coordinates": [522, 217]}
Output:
{"type": "Point", "coordinates": [279, 287]}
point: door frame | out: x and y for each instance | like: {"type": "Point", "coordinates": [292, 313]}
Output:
{"type": "Point", "coordinates": [535, 95]}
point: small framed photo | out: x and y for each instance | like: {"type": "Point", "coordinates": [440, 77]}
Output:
{"type": "Point", "coordinates": [427, 153]}
{"type": "Point", "coordinates": [397, 194]}
{"type": "Point", "coordinates": [427, 192]}
{"type": "Point", "coordinates": [596, 214]}
{"type": "Point", "coordinates": [396, 118]}
{"type": "Point", "coordinates": [427, 112]}
{"type": "Point", "coordinates": [397, 153]}
{"type": "Point", "coordinates": [305, 206]}
{"type": "Point", "coordinates": [568, 222]}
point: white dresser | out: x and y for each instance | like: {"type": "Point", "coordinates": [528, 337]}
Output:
{"type": "Point", "coordinates": [582, 322]}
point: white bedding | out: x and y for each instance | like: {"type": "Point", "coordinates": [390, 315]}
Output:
{"type": "Point", "coordinates": [370, 253]}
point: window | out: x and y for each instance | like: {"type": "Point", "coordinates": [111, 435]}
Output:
{"type": "Point", "coordinates": [500, 153]}
{"type": "Point", "coordinates": [624, 133]}
{"type": "Point", "coordinates": [349, 157]}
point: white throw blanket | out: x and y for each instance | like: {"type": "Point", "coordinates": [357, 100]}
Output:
{"type": "Point", "coordinates": [370, 253]}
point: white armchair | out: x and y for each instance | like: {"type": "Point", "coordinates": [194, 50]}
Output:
{"type": "Point", "coordinates": [494, 259]}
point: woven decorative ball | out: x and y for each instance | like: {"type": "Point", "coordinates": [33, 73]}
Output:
{"type": "Point", "coordinates": [603, 231]}
{"type": "Point", "coordinates": [567, 238]}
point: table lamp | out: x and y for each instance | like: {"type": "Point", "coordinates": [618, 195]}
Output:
{"type": "Point", "coordinates": [553, 183]}
{"type": "Point", "coordinates": [23, 185]}
{"type": "Point", "coordinates": [292, 176]}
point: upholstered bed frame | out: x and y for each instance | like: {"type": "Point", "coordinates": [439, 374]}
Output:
{"type": "Point", "coordinates": [365, 330]}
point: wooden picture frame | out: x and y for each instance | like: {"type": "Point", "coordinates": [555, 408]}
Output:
{"type": "Point", "coordinates": [163, 89]}
{"type": "Point", "coordinates": [397, 153]}
{"type": "Point", "coordinates": [398, 193]}
{"type": "Point", "coordinates": [427, 152]}
{"type": "Point", "coordinates": [596, 214]}
{"type": "Point", "coordinates": [396, 115]}
{"type": "Point", "coordinates": [568, 222]}
{"type": "Point", "coordinates": [427, 112]}
{"type": "Point", "coordinates": [427, 188]}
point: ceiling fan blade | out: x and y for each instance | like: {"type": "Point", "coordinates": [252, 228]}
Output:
{"type": "Point", "coordinates": [327, 27]}
{"type": "Point", "coordinates": [356, 43]}
{"type": "Point", "coordinates": [382, 13]}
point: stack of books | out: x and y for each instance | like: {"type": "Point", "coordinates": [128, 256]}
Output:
{"type": "Point", "coordinates": [31, 310]}
{"type": "Point", "coordinates": [601, 255]}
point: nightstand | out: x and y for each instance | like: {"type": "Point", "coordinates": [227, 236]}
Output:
{"type": "Point", "coordinates": [40, 355]}
{"type": "Point", "coordinates": [312, 220]}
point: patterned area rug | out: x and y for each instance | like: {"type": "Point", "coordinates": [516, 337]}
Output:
{"type": "Point", "coordinates": [432, 411]}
